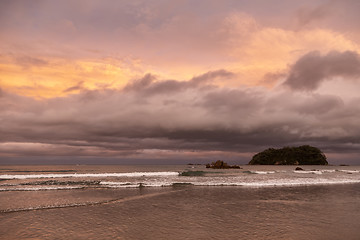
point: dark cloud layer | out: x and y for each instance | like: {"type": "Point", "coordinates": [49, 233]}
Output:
{"type": "Point", "coordinates": [313, 68]}
{"type": "Point", "coordinates": [149, 86]}
{"type": "Point", "coordinates": [146, 121]}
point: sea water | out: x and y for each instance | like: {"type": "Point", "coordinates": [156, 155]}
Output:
{"type": "Point", "coordinates": [179, 202]}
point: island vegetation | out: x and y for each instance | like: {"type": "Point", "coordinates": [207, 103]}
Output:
{"type": "Point", "coordinates": [303, 155]}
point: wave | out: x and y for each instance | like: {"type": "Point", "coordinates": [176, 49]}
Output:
{"type": "Point", "coordinates": [142, 184]}
{"type": "Point", "coordinates": [120, 184]}
{"type": "Point", "coordinates": [301, 182]}
{"type": "Point", "coordinates": [328, 171]}
{"type": "Point", "coordinates": [80, 175]}
{"type": "Point", "coordinates": [285, 183]}
{"type": "Point", "coordinates": [237, 182]}
{"type": "Point", "coordinates": [325, 171]}
{"type": "Point", "coordinates": [230, 182]}
{"type": "Point", "coordinates": [259, 172]}
{"type": "Point", "coordinates": [312, 171]}
{"type": "Point", "coordinates": [171, 178]}
{"type": "Point", "coordinates": [349, 171]}
{"type": "Point", "coordinates": [55, 182]}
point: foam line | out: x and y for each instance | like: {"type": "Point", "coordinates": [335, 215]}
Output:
{"type": "Point", "coordinates": [82, 175]}
{"type": "Point", "coordinates": [40, 188]}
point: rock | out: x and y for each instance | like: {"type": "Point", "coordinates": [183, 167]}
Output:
{"type": "Point", "coordinates": [221, 165]}
{"type": "Point", "coordinates": [299, 169]}
{"type": "Point", "coordinates": [303, 155]}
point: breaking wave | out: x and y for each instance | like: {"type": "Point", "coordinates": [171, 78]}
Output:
{"type": "Point", "coordinates": [249, 178]}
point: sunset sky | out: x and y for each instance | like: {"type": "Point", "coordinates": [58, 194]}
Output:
{"type": "Point", "coordinates": [177, 81]}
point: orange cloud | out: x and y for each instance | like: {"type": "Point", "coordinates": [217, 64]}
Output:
{"type": "Point", "coordinates": [61, 77]}
{"type": "Point", "coordinates": [258, 50]}
{"type": "Point", "coordinates": [237, 43]}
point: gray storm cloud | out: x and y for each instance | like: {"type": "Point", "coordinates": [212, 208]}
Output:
{"type": "Point", "coordinates": [313, 68]}
{"type": "Point", "coordinates": [149, 86]}
{"type": "Point", "coordinates": [190, 117]}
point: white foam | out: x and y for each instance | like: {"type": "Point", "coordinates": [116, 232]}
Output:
{"type": "Point", "coordinates": [81, 175]}
{"type": "Point", "coordinates": [299, 183]}
{"type": "Point", "coordinates": [39, 188]}
{"type": "Point", "coordinates": [119, 184]}
{"type": "Point", "coordinates": [137, 184]}
{"type": "Point", "coordinates": [262, 172]}
{"type": "Point", "coordinates": [166, 179]}
{"type": "Point", "coordinates": [312, 171]}
{"type": "Point", "coordinates": [123, 186]}
{"type": "Point", "coordinates": [114, 183]}
{"type": "Point", "coordinates": [235, 181]}
{"type": "Point", "coordinates": [328, 171]}
{"type": "Point", "coordinates": [349, 171]}
{"type": "Point", "coordinates": [277, 183]}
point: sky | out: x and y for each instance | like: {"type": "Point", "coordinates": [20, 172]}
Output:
{"type": "Point", "coordinates": [190, 81]}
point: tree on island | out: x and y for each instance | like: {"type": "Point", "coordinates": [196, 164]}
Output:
{"type": "Point", "coordinates": [303, 155]}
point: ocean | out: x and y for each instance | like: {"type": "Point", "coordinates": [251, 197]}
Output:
{"type": "Point", "coordinates": [179, 202]}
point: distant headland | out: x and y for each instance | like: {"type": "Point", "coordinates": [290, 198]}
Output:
{"type": "Point", "coordinates": [303, 155]}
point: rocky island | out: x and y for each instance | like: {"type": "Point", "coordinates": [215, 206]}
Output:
{"type": "Point", "coordinates": [221, 165]}
{"type": "Point", "coordinates": [303, 155]}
